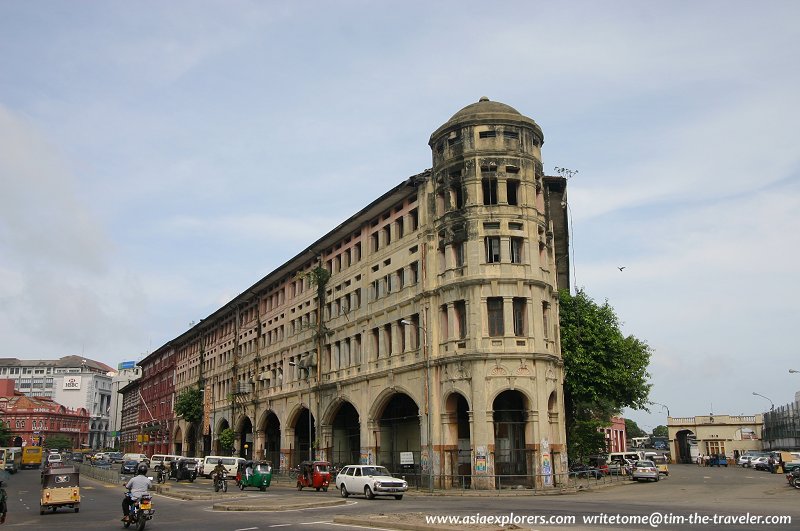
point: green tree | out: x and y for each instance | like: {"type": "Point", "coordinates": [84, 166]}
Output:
{"type": "Point", "coordinates": [189, 405]}
{"type": "Point", "coordinates": [633, 430]}
{"type": "Point", "coordinates": [660, 431]}
{"type": "Point", "coordinates": [5, 434]}
{"type": "Point", "coordinates": [605, 370]}
{"type": "Point", "coordinates": [226, 439]}
{"type": "Point", "coordinates": [57, 441]}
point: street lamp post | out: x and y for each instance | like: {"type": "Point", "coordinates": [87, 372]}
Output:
{"type": "Point", "coordinates": [426, 356]}
{"type": "Point", "coordinates": [771, 403]}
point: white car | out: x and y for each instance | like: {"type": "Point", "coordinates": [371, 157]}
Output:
{"type": "Point", "coordinates": [645, 470]}
{"type": "Point", "coordinates": [54, 458]}
{"type": "Point", "coordinates": [371, 480]}
{"type": "Point", "coordinates": [744, 460]}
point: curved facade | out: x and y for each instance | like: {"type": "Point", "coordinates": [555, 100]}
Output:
{"type": "Point", "coordinates": [435, 348]}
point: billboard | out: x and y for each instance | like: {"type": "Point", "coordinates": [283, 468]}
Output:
{"type": "Point", "coordinates": [126, 365]}
{"type": "Point", "coordinates": [71, 383]}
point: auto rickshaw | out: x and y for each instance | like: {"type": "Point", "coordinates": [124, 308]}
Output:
{"type": "Point", "coordinates": [314, 474]}
{"type": "Point", "coordinates": [184, 469]}
{"type": "Point", "coordinates": [60, 488]}
{"type": "Point", "coordinates": [254, 474]}
{"type": "Point", "coordinates": [661, 464]}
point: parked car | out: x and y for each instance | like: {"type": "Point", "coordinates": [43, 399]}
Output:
{"type": "Point", "coordinates": [744, 460]}
{"type": "Point", "coordinates": [102, 463]}
{"type": "Point", "coordinates": [581, 470]}
{"type": "Point", "coordinates": [760, 463]}
{"type": "Point", "coordinates": [115, 457]}
{"type": "Point", "coordinates": [644, 470]}
{"type": "Point", "coordinates": [371, 480]}
{"type": "Point", "coordinates": [129, 467]}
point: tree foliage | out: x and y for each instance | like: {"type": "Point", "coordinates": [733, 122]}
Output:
{"type": "Point", "coordinates": [633, 430]}
{"type": "Point", "coordinates": [226, 439]}
{"type": "Point", "coordinates": [605, 371]}
{"type": "Point", "coordinates": [189, 405]}
{"type": "Point", "coordinates": [57, 441]}
{"type": "Point", "coordinates": [660, 431]}
{"type": "Point", "coordinates": [5, 434]}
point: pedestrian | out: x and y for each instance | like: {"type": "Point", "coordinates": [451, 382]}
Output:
{"type": "Point", "coordinates": [771, 464]}
{"type": "Point", "coordinates": [700, 460]}
{"type": "Point", "coordinates": [3, 502]}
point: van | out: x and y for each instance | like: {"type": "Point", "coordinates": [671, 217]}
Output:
{"type": "Point", "coordinates": [230, 463]}
{"type": "Point", "coordinates": [619, 461]}
{"type": "Point", "coordinates": [13, 459]}
{"type": "Point", "coordinates": [163, 459]}
{"type": "Point", "coordinates": [139, 458]}
{"type": "Point", "coordinates": [32, 457]}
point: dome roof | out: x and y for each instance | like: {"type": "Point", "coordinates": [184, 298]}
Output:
{"type": "Point", "coordinates": [484, 106]}
{"type": "Point", "coordinates": [485, 111]}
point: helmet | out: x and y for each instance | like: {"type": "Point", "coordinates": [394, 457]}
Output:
{"type": "Point", "coordinates": [219, 462]}
{"type": "Point", "coordinates": [141, 469]}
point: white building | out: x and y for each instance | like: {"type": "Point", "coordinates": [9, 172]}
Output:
{"type": "Point", "coordinates": [72, 381]}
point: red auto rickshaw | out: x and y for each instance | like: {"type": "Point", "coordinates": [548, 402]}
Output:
{"type": "Point", "coordinates": [314, 474]}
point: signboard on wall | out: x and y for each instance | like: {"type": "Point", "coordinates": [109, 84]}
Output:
{"type": "Point", "coordinates": [126, 365]}
{"type": "Point", "coordinates": [71, 383]}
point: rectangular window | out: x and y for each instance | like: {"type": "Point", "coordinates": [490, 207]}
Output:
{"type": "Point", "coordinates": [516, 250]}
{"type": "Point", "coordinates": [413, 268]}
{"type": "Point", "coordinates": [413, 217]}
{"type": "Point", "coordinates": [511, 135]}
{"type": "Point", "coordinates": [512, 189]}
{"type": "Point", "coordinates": [444, 322]}
{"type": "Point", "coordinates": [487, 134]}
{"type": "Point", "coordinates": [519, 305]}
{"type": "Point", "coordinates": [546, 318]}
{"type": "Point", "coordinates": [460, 308]}
{"type": "Point", "coordinates": [489, 191]}
{"type": "Point", "coordinates": [494, 310]}
{"type": "Point", "coordinates": [399, 228]}
{"type": "Point", "coordinates": [458, 254]}
{"type": "Point", "coordinates": [375, 242]}
{"type": "Point", "coordinates": [401, 279]}
{"type": "Point", "coordinates": [457, 195]}
{"type": "Point", "coordinates": [492, 249]}
{"type": "Point", "coordinates": [387, 235]}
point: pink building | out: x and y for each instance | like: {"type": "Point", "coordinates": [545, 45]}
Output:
{"type": "Point", "coordinates": [615, 435]}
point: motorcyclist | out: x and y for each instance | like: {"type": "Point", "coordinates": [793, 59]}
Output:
{"type": "Point", "coordinates": [137, 486]}
{"type": "Point", "coordinates": [219, 470]}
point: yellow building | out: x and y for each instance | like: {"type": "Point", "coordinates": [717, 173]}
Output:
{"type": "Point", "coordinates": [433, 345]}
{"type": "Point", "coordinates": [713, 434]}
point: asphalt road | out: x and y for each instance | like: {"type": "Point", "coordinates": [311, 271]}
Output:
{"type": "Point", "coordinates": [689, 491]}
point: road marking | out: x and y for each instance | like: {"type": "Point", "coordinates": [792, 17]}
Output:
{"type": "Point", "coordinates": [314, 523]}
{"type": "Point", "coordinates": [246, 529]}
{"type": "Point", "coordinates": [278, 525]}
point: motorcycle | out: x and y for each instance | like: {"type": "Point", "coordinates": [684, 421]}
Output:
{"type": "Point", "coordinates": [140, 512]}
{"type": "Point", "coordinates": [221, 482]}
{"type": "Point", "coordinates": [162, 474]}
{"type": "Point", "coordinates": [793, 478]}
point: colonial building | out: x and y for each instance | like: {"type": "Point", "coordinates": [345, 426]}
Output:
{"type": "Point", "coordinates": [33, 420]}
{"type": "Point", "coordinates": [422, 333]}
{"type": "Point", "coordinates": [728, 435]}
{"type": "Point", "coordinates": [127, 372]}
{"type": "Point", "coordinates": [75, 382]}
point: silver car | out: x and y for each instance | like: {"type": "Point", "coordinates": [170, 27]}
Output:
{"type": "Point", "coordinates": [371, 480]}
{"type": "Point", "coordinates": [644, 470]}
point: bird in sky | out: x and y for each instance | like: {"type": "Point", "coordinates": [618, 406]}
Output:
{"type": "Point", "coordinates": [621, 268]}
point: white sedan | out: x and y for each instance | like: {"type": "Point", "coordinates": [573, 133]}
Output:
{"type": "Point", "coordinates": [371, 480]}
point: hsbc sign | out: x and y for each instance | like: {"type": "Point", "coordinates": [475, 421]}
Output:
{"type": "Point", "coordinates": [72, 383]}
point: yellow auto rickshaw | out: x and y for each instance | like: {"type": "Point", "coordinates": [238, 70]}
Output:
{"type": "Point", "coordinates": [661, 463]}
{"type": "Point", "coordinates": [60, 488]}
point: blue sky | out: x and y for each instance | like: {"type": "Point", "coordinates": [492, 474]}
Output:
{"type": "Point", "coordinates": [157, 158]}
